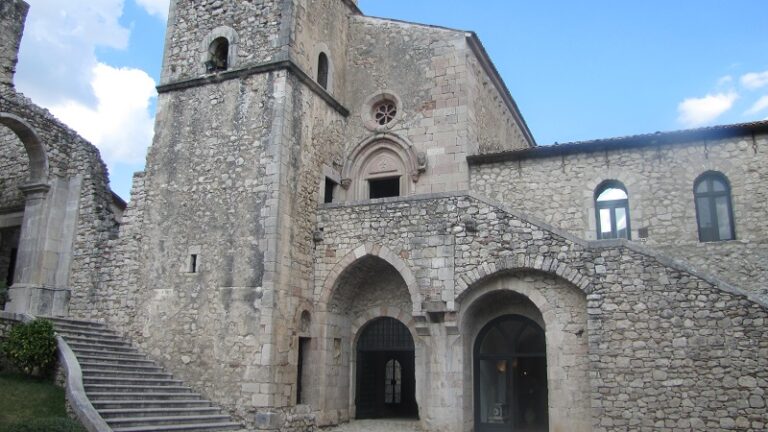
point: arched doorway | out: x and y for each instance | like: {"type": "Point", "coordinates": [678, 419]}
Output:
{"type": "Point", "coordinates": [386, 379]}
{"type": "Point", "coordinates": [510, 371]}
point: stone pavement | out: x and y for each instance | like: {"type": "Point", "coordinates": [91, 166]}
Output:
{"type": "Point", "coordinates": [388, 425]}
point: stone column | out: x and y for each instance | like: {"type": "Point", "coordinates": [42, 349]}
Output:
{"type": "Point", "coordinates": [31, 291]}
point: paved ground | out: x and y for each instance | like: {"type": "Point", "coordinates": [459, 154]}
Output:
{"type": "Point", "coordinates": [376, 426]}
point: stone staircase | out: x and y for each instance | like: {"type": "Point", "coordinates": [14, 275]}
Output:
{"type": "Point", "coordinates": [131, 392]}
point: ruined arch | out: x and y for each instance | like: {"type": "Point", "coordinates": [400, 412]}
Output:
{"type": "Point", "coordinates": [38, 158]}
{"type": "Point", "coordinates": [372, 250]}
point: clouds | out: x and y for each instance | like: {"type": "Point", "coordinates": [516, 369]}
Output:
{"type": "Point", "coordinates": [120, 124]}
{"type": "Point", "coordinates": [157, 8]}
{"type": "Point", "coordinates": [702, 111]}
{"type": "Point", "coordinates": [695, 112]}
{"type": "Point", "coordinates": [59, 69]}
{"type": "Point", "coordinates": [755, 80]}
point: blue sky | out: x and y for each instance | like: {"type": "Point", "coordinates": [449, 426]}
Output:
{"type": "Point", "coordinates": [578, 70]}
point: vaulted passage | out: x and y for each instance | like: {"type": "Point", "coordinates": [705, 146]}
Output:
{"type": "Point", "coordinates": [511, 376]}
{"type": "Point", "coordinates": [385, 374]}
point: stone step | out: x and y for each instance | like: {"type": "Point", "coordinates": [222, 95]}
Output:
{"type": "Point", "coordinates": [150, 404]}
{"type": "Point", "coordinates": [80, 351]}
{"type": "Point", "coordinates": [100, 347]}
{"type": "Point", "coordinates": [136, 388]}
{"type": "Point", "coordinates": [168, 420]}
{"type": "Point", "coordinates": [185, 428]}
{"type": "Point", "coordinates": [142, 395]}
{"type": "Point", "coordinates": [121, 381]}
{"type": "Point", "coordinates": [75, 322]}
{"type": "Point", "coordinates": [90, 340]}
{"type": "Point", "coordinates": [116, 362]}
{"type": "Point", "coordinates": [123, 372]}
{"type": "Point", "coordinates": [67, 331]}
{"type": "Point", "coordinates": [153, 412]}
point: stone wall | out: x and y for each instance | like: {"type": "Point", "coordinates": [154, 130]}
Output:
{"type": "Point", "coordinates": [492, 127]}
{"type": "Point", "coordinates": [12, 16]}
{"type": "Point", "coordinates": [659, 181]}
{"type": "Point", "coordinates": [14, 171]}
{"type": "Point", "coordinates": [663, 341]}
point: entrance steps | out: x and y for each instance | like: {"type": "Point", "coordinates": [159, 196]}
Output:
{"type": "Point", "coordinates": [132, 393]}
{"type": "Point", "coordinates": [389, 425]}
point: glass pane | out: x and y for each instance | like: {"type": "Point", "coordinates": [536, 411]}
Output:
{"type": "Point", "coordinates": [723, 218]}
{"type": "Point", "coordinates": [705, 214]}
{"type": "Point", "coordinates": [531, 340]}
{"type": "Point", "coordinates": [605, 224]}
{"type": "Point", "coordinates": [530, 394]}
{"type": "Point", "coordinates": [718, 185]}
{"type": "Point", "coordinates": [495, 343]}
{"type": "Point", "coordinates": [494, 407]}
{"type": "Point", "coordinates": [702, 187]}
{"type": "Point", "coordinates": [621, 222]}
{"type": "Point", "coordinates": [611, 194]}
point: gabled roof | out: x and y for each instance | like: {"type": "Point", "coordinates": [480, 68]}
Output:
{"type": "Point", "coordinates": [626, 142]}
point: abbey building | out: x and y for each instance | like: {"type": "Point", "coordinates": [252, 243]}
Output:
{"type": "Point", "coordinates": [346, 217]}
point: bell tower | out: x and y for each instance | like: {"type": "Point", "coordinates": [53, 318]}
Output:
{"type": "Point", "coordinates": [245, 124]}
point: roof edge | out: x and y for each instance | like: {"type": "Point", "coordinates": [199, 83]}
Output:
{"type": "Point", "coordinates": [477, 48]}
{"type": "Point", "coordinates": [634, 141]}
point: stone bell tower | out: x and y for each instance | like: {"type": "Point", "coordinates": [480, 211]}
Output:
{"type": "Point", "coordinates": [248, 115]}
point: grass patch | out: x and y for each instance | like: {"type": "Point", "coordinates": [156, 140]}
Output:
{"type": "Point", "coordinates": [32, 404]}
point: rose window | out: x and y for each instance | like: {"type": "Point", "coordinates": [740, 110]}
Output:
{"type": "Point", "coordinates": [384, 112]}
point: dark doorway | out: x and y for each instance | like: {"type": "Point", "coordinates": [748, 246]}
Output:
{"type": "Point", "coordinates": [9, 244]}
{"type": "Point", "coordinates": [386, 379]}
{"type": "Point", "coordinates": [511, 377]}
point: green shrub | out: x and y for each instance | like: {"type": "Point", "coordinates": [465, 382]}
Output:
{"type": "Point", "coordinates": [48, 425]}
{"type": "Point", "coordinates": [31, 347]}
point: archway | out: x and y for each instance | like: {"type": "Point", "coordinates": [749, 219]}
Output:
{"type": "Point", "coordinates": [386, 379]}
{"type": "Point", "coordinates": [510, 364]}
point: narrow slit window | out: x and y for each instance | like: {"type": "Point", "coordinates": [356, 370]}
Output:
{"type": "Point", "coordinates": [384, 188]}
{"type": "Point", "coordinates": [322, 70]}
{"type": "Point", "coordinates": [193, 263]}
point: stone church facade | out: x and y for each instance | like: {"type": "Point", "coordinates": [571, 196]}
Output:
{"type": "Point", "coordinates": [347, 217]}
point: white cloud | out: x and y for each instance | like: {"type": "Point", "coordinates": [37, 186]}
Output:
{"type": "Point", "coordinates": [120, 124]}
{"type": "Point", "coordinates": [155, 7]}
{"type": "Point", "coordinates": [754, 80]}
{"type": "Point", "coordinates": [758, 106]}
{"type": "Point", "coordinates": [58, 51]}
{"type": "Point", "coordinates": [726, 80]}
{"type": "Point", "coordinates": [700, 111]}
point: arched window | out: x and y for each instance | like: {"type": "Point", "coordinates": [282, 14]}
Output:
{"type": "Point", "coordinates": [612, 211]}
{"type": "Point", "coordinates": [218, 55]}
{"type": "Point", "coordinates": [714, 213]}
{"type": "Point", "coordinates": [322, 70]}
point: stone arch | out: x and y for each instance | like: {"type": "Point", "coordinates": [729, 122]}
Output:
{"type": "Point", "coordinates": [369, 249]}
{"type": "Point", "coordinates": [38, 158]}
{"type": "Point", "coordinates": [560, 308]}
{"type": "Point", "coordinates": [522, 264]}
{"type": "Point", "coordinates": [395, 154]}
{"type": "Point", "coordinates": [222, 32]}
